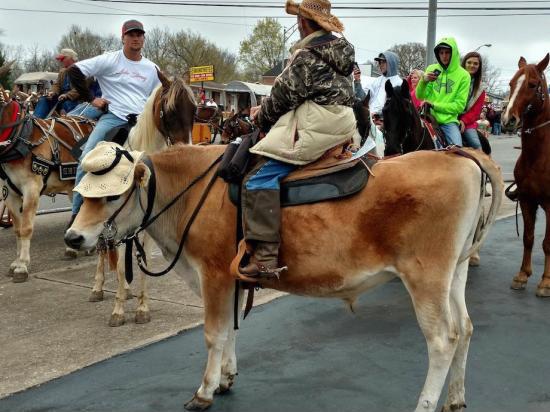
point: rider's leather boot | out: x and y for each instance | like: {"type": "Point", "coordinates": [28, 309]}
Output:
{"type": "Point", "coordinates": [261, 223]}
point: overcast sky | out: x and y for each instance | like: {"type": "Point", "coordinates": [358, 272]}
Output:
{"type": "Point", "coordinates": [510, 36]}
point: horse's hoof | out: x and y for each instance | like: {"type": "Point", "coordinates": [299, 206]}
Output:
{"type": "Point", "coordinates": [129, 294]}
{"type": "Point", "coordinates": [13, 266]}
{"type": "Point", "coordinates": [70, 253]}
{"type": "Point", "coordinates": [96, 296]}
{"type": "Point", "coordinates": [198, 404]}
{"type": "Point", "coordinates": [20, 275]}
{"type": "Point", "coordinates": [143, 317]}
{"type": "Point", "coordinates": [517, 285]}
{"type": "Point", "coordinates": [225, 386]}
{"type": "Point", "coordinates": [543, 292]}
{"type": "Point", "coordinates": [454, 407]}
{"type": "Point", "coordinates": [116, 320]}
{"type": "Point", "coordinates": [474, 261]}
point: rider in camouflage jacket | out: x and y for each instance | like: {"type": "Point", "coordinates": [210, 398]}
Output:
{"type": "Point", "coordinates": [320, 72]}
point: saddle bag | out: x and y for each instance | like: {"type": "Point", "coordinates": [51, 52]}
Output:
{"type": "Point", "coordinates": [236, 157]}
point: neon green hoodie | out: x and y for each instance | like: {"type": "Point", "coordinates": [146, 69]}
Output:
{"type": "Point", "coordinates": [449, 93]}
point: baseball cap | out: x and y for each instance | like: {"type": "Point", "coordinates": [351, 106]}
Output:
{"type": "Point", "coordinates": [132, 25]}
{"type": "Point", "coordinates": [64, 53]}
{"type": "Point", "coordinates": [380, 58]}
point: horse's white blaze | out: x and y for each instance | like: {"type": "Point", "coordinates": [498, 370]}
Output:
{"type": "Point", "coordinates": [519, 83]}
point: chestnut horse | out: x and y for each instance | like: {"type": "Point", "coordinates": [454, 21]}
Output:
{"type": "Point", "coordinates": [404, 224]}
{"type": "Point", "coordinates": [529, 106]}
{"type": "Point", "coordinates": [234, 127]}
{"type": "Point", "coordinates": [167, 119]}
{"type": "Point", "coordinates": [28, 175]}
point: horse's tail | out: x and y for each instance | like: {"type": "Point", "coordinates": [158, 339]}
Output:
{"type": "Point", "coordinates": [485, 145]}
{"type": "Point", "coordinates": [492, 170]}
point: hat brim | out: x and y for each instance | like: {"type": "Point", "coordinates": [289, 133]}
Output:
{"type": "Point", "coordinates": [379, 59]}
{"type": "Point", "coordinates": [98, 186]}
{"type": "Point", "coordinates": [329, 23]}
{"type": "Point", "coordinates": [60, 57]}
{"type": "Point", "coordinates": [134, 29]}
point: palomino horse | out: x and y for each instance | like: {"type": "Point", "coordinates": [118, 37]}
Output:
{"type": "Point", "coordinates": [529, 105]}
{"type": "Point", "coordinates": [404, 129]}
{"type": "Point", "coordinates": [33, 171]}
{"type": "Point", "coordinates": [167, 119]}
{"type": "Point", "coordinates": [404, 224]}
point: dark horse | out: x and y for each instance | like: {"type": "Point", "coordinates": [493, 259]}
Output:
{"type": "Point", "coordinates": [404, 129]}
{"type": "Point", "coordinates": [529, 105]}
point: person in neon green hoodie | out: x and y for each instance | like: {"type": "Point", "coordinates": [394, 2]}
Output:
{"type": "Point", "coordinates": [446, 92]}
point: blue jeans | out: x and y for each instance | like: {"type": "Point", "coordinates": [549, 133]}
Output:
{"type": "Point", "coordinates": [86, 110]}
{"type": "Point", "coordinates": [452, 133]}
{"type": "Point", "coordinates": [496, 129]}
{"type": "Point", "coordinates": [269, 176]}
{"type": "Point", "coordinates": [106, 122]}
{"type": "Point", "coordinates": [471, 138]}
{"type": "Point", "coordinates": [45, 105]}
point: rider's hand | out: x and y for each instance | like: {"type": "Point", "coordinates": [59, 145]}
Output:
{"type": "Point", "coordinates": [62, 97]}
{"type": "Point", "coordinates": [254, 112]}
{"type": "Point", "coordinates": [430, 77]}
{"type": "Point", "coordinates": [356, 75]}
{"type": "Point", "coordinates": [462, 126]}
{"type": "Point", "coordinates": [100, 102]}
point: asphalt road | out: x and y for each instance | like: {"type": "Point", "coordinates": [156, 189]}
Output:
{"type": "Point", "coordinates": [314, 355]}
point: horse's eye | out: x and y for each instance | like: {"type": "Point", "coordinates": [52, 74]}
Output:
{"type": "Point", "coordinates": [112, 198]}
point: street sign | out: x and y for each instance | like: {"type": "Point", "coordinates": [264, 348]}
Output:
{"type": "Point", "coordinates": [201, 73]}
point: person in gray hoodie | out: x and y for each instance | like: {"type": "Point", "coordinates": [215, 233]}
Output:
{"type": "Point", "coordinates": [388, 63]}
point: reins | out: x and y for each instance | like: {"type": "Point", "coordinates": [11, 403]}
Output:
{"type": "Point", "coordinates": [110, 227]}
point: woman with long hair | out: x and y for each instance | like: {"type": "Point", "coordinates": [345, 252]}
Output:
{"type": "Point", "coordinates": [413, 79]}
{"type": "Point", "coordinates": [476, 98]}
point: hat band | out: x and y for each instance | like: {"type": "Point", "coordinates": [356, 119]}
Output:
{"type": "Point", "coordinates": [118, 156]}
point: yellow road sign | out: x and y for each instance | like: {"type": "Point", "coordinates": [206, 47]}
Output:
{"type": "Point", "coordinates": [202, 73]}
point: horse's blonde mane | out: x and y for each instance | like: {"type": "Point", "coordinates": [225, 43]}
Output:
{"type": "Point", "coordinates": [178, 86]}
{"type": "Point", "coordinates": [145, 136]}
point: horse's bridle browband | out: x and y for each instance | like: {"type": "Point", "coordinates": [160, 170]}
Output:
{"type": "Point", "coordinates": [110, 229]}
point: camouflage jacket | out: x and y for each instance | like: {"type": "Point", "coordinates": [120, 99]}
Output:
{"type": "Point", "coordinates": [320, 72]}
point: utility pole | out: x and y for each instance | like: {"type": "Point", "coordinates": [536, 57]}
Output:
{"type": "Point", "coordinates": [430, 42]}
{"type": "Point", "coordinates": [287, 33]}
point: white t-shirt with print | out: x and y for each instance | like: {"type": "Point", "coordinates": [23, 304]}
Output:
{"type": "Point", "coordinates": [125, 83]}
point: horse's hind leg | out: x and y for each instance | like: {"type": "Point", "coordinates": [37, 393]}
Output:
{"type": "Point", "coordinates": [15, 205]}
{"type": "Point", "coordinates": [543, 288]}
{"type": "Point", "coordinates": [217, 291]}
{"type": "Point", "coordinates": [229, 358]}
{"type": "Point", "coordinates": [430, 295]}
{"type": "Point", "coordinates": [529, 213]}
{"type": "Point", "coordinates": [456, 395]}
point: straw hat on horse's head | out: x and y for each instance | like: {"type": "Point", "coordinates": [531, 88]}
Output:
{"type": "Point", "coordinates": [318, 11]}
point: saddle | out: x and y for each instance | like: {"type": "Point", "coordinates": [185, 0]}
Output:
{"type": "Point", "coordinates": [336, 174]}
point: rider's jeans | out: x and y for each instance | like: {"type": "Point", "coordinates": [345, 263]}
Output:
{"type": "Point", "coordinates": [471, 139]}
{"type": "Point", "coordinates": [105, 123]}
{"type": "Point", "coordinates": [452, 133]}
{"type": "Point", "coordinates": [45, 105]}
{"type": "Point", "coordinates": [86, 110]}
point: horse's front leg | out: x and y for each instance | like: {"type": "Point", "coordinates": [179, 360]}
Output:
{"type": "Point", "coordinates": [529, 213]}
{"type": "Point", "coordinates": [99, 279]}
{"type": "Point", "coordinates": [217, 290]}
{"type": "Point", "coordinates": [14, 204]}
{"type": "Point", "coordinates": [24, 229]}
{"type": "Point", "coordinates": [229, 357]}
{"type": "Point", "coordinates": [543, 288]}
{"type": "Point", "coordinates": [143, 315]}
{"type": "Point", "coordinates": [123, 290]}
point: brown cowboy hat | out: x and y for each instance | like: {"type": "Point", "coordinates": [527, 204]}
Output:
{"type": "Point", "coordinates": [316, 10]}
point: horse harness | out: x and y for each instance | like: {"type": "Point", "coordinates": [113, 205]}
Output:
{"type": "Point", "coordinates": [17, 144]}
{"type": "Point", "coordinates": [542, 97]}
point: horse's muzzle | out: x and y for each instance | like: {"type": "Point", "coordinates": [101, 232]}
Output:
{"type": "Point", "coordinates": [73, 239]}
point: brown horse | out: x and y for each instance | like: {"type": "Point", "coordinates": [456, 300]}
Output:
{"type": "Point", "coordinates": [212, 116]}
{"type": "Point", "coordinates": [167, 119]}
{"type": "Point", "coordinates": [404, 224]}
{"type": "Point", "coordinates": [234, 127]}
{"type": "Point", "coordinates": [31, 153]}
{"type": "Point", "coordinates": [529, 106]}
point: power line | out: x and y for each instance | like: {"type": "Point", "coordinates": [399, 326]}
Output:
{"type": "Point", "coordinates": [191, 16]}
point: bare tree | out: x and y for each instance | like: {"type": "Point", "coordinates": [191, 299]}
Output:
{"type": "Point", "coordinates": [40, 60]}
{"type": "Point", "coordinates": [411, 56]}
{"type": "Point", "coordinates": [87, 43]}
{"type": "Point", "coordinates": [490, 76]}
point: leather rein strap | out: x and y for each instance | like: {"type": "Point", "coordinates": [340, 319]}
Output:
{"type": "Point", "coordinates": [134, 240]}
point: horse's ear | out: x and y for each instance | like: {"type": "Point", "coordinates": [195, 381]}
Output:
{"type": "Point", "coordinates": [389, 88]}
{"type": "Point", "coordinates": [522, 62]}
{"type": "Point", "coordinates": [163, 79]}
{"type": "Point", "coordinates": [142, 175]}
{"type": "Point", "coordinates": [366, 100]}
{"type": "Point", "coordinates": [543, 64]}
{"type": "Point", "coordinates": [405, 91]}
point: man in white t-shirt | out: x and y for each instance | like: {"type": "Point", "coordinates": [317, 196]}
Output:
{"type": "Point", "coordinates": [126, 78]}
